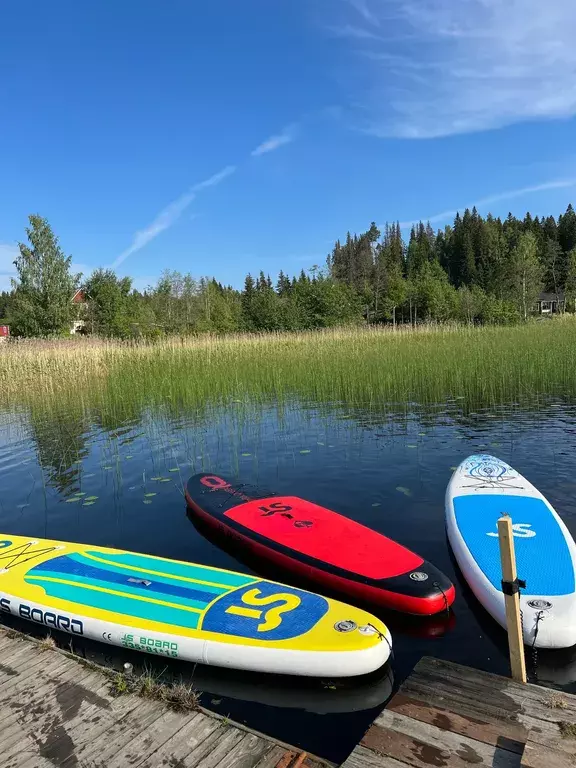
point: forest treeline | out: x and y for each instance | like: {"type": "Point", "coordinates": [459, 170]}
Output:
{"type": "Point", "coordinates": [477, 270]}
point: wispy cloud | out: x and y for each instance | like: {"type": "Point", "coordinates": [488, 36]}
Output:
{"type": "Point", "coordinates": [169, 215]}
{"type": "Point", "coordinates": [491, 199]}
{"type": "Point", "coordinates": [275, 142]}
{"type": "Point", "coordinates": [441, 67]}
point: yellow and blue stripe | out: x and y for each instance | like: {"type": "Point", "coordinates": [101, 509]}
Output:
{"type": "Point", "coordinates": [129, 585]}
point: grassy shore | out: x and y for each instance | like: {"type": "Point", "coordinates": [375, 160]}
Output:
{"type": "Point", "coordinates": [360, 367]}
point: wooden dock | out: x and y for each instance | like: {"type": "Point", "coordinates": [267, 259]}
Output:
{"type": "Point", "coordinates": [450, 716]}
{"type": "Point", "coordinates": [55, 711]}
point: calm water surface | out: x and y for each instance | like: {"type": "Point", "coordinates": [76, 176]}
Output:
{"type": "Point", "coordinates": [388, 470]}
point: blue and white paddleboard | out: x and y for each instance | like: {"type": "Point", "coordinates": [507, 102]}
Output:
{"type": "Point", "coordinates": [481, 490]}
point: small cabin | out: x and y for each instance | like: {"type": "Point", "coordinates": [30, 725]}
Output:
{"type": "Point", "coordinates": [551, 303]}
{"type": "Point", "coordinates": [80, 300]}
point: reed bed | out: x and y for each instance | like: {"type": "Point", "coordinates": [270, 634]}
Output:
{"type": "Point", "coordinates": [360, 367]}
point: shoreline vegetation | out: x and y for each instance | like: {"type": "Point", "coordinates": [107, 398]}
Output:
{"type": "Point", "coordinates": [478, 270]}
{"type": "Point", "coordinates": [373, 367]}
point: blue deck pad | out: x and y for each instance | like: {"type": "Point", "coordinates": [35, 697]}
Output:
{"type": "Point", "coordinates": [542, 555]}
{"type": "Point", "coordinates": [265, 611]}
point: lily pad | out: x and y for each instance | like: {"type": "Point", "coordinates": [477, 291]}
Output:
{"type": "Point", "coordinates": [246, 454]}
{"type": "Point", "coordinates": [306, 451]}
{"type": "Point", "coordinates": [91, 498]}
{"type": "Point", "coordinates": [129, 457]}
{"type": "Point", "coordinates": [81, 494]}
{"type": "Point", "coordinates": [73, 499]}
{"type": "Point", "coordinates": [88, 503]}
{"type": "Point", "coordinates": [376, 504]}
{"type": "Point", "coordinates": [319, 443]}
{"type": "Point", "coordinates": [411, 445]}
{"type": "Point", "coordinates": [147, 501]}
{"type": "Point", "coordinates": [174, 469]}
{"type": "Point", "coordinates": [158, 477]}
{"type": "Point", "coordinates": [165, 480]}
{"type": "Point", "coordinates": [149, 495]}
{"type": "Point", "coordinates": [90, 474]}
{"type": "Point", "coordinates": [495, 445]}
{"type": "Point", "coordinates": [405, 491]}
{"type": "Point", "coordinates": [108, 467]}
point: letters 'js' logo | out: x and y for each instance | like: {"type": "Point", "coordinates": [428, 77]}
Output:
{"type": "Point", "coordinates": [271, 618]}
{"type": "Point", "coordinates": [265, 611]}
{"type": "Point", "coordinates": [520, 531]}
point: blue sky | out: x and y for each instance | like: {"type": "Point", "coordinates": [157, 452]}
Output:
{"type": "Point", "coordinates": [226, 137]}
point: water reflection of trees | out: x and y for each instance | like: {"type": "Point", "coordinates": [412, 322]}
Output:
{"type": "Point", "coordinates": [61, 437]}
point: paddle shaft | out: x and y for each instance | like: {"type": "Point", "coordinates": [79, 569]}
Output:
{"type": "Point", "coordinates": [512, 602]}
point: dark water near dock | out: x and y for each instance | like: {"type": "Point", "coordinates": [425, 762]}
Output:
{"type": "Point", "coordinates": [66, 476]}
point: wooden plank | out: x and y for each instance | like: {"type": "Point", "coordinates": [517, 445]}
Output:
{"type": "Point", "coordinates": [420, 744]}
{"type": "Point", "coordinates": [26, 683]}
{"type": "Point", "coordinates": [446, 695]}
{"type": "Point", "coordinates": [18, 665]}
{"type": "Point", "coordinates": [507, 735]}
{"type": "Point", "coordinates": [271, 757]}
{"type": "Point", "coordinates": [41, 723]}
{"type": "Point", "coordinates": [16, 761]}
{"type": "Point", "coordinates": [246, 753]}
{"type": "Point", "coordinates": [87, 724]}
{"type": "Point", "coordinates": [227, 741]}
{"type": "Point", "coordinates": [362, 757]}
{"type": "Point", "coordinates": [14, 650]}
{"type": "Point", "coordinates": [499, 701]}
{"type": "Point", "coordinates": [53, 713]}
{"type": "Point", "coordinates": [150, 740]}
{"type": "Point", "coordinates": [512, 602]}
{"type": "Point", "coordinates": [12, 655]}
{"type": "Point", "coordinates": [100, 750]}
{"type": "Point", "coordinates": [50, 697]}
{"type": "Point", "coordinates": [196, 737]}
{"type": "Point", "coordinates": [428, 668]}
{"type": "Point", "coordinates": [537, 756]}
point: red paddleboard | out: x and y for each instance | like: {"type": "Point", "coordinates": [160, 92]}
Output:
{"type": "Point", "coordinates": [321, 545]}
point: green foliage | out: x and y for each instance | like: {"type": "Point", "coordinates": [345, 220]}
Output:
{"type": "Point", "coordinates": [109, 310]}
{"type": "Point", "coordinates": [42, 302]}
{"type": "Point", "coordinates": [479, 270]}
{"type": "Point", "coordinates": [525, 273]}
{"type": "Point", "coordinates": [571, 281]}
{"type": "Point", "coordinates": [6, 303]}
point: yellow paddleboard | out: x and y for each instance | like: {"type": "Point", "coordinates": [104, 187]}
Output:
{"type": "Point", "coordinates": [186, 611]}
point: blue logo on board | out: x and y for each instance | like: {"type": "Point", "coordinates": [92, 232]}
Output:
{"type": "Point", "coordinates": [5, 543]}
{"type": "Point", "coordinates": [265, 611]}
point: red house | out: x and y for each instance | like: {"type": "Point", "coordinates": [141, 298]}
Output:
{"type": "Point", "coordinates": [79, 297]}
{"type": "Point", "coordinates": [4, 332]}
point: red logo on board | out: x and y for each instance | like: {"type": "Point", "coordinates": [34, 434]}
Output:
{"type": "Point", "coordinates": [214, 482]}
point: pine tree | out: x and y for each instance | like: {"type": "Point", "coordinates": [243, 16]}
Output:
{"type": "Point", "coordinates": [567, 230]}
{"type": "Point", "coordinates": [247, 302]}
{"type": "Point", "coordinates": [45, 286]}
{"type": "Point", "coordinates": [283, 284]}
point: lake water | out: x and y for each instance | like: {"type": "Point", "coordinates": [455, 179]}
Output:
{"type": "Point", "coordinates": [388, 470]}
